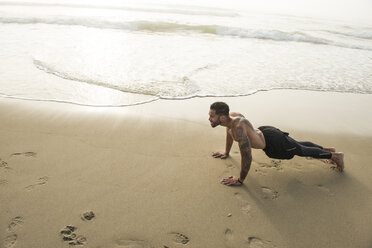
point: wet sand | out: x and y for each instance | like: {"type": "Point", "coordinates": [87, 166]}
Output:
{"type": "Point", "coordinates": [143, 176]}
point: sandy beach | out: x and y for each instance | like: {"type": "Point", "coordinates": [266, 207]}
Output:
{"type": "Point", "coordinates": [143, 176]}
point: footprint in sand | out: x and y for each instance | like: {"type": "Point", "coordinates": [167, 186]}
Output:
{"type": "Point", "coordinates": [276, 164]}
{"type": "Point", "coordinates": [325, 190]}
{"type": "Point", "coordinates": [3, 181]}
{"type": "Point", "coordinates": [27, 154]}
{"type": "Point", "coordinates": [88, 216]}
{"type": "Point", "coordinates": [133, 243]}
{"type": "Point", "coordinates": [228, 234]}
{"type": "Point", "coordinates": [69, 236]}
{"type": "Point", "coordinates": [16, 222]}
{"type": "Point", "coordinates": [229, 165]}
{"type": "Point", "coordinates": [179, 238]}
{"type": "Point", "coordinates": [255, 242]}
{"type": "Point", "coordinates": [228, 168]}
{"type": "Point", "coordinates": [269, 193]}
{"type": "Point", "coordinates": [229, 238]}
{"type": "Point", "coordinates": [3, 164]}
{"type": "Point", "coordinates": [41, 181]}
{"type": "Point", "coordinates": [263, 173]}
{"type": "Point", "coordinates": [10, 241]}
{"type": "Point", "coordinates": [244, 206]}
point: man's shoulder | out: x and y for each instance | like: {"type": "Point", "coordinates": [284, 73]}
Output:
{"type": "Point", "coordinates": [242, 122]}
{"type": "Point", "coordinates": [236, 114]}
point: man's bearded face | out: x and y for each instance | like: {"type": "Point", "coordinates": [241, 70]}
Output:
{"type": "Point", "coordinates": [213, 118]}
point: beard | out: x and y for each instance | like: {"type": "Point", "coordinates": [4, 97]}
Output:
{"type": "Point", "coordinates": [215, 124]}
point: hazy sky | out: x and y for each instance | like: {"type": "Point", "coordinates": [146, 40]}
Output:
{"type": "Point", "coordinates": [340, 9]}
{"type": "Point", "coordinates": [346, 10]}
{"type": "Point", "coordinates": [359, 10]}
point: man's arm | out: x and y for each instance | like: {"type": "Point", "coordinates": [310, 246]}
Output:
{"type": "Point", "coordinates": [246, 155]}
{"type": "Point", "coordinates": [229, 142]}
{"type": "Point", "coordinates": [245, 152]}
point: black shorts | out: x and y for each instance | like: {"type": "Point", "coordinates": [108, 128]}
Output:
{"type": "Point", "coordinates": [278, 144]}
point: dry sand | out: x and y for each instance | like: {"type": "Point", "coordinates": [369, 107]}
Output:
{"type": "Point", "coordinates": [147, 175]}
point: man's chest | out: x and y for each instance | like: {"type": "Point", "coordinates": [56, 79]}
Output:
{"type": "Point", "coordinates": [231, 133]}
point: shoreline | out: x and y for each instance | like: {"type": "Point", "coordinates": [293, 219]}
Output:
{"type": "Point", "coordinates": [160, 98]}
{"type": "Point", "coordinates": [147, 173]}
{"type": "Point", "coordinates": [278, 103]}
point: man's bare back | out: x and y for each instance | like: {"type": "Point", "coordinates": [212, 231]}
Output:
{"type": "Point", "coordinates": [255, 136]}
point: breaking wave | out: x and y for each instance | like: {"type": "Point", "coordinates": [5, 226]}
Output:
{"type": "Point", "coordinates": [169, 27]}
{"type": "Point", "coordinates": [181, 89]}
{"type": "Point", "coordinates": [355, 34]}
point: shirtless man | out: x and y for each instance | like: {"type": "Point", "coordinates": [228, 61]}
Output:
{"type": "Point", "coordinates": [275, 143]}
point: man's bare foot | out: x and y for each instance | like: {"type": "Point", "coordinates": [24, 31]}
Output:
{"type": "Point", "coordinates": [329, 149]}
{"type": "Point", "coordinates": [338, 158]}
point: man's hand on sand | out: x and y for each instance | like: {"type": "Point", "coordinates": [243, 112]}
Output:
{"type": "Point", "coordinates": [220, 155]}
{"type": "Point", "coordinates": [231, 181]}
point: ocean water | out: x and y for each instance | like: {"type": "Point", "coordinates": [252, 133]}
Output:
{"type": "Point", "coordinates": [120, 53]}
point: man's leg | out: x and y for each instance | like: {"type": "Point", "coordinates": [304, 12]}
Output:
{"type": "Point", "coordinates": [316, 151]}
{"type": "Point", "coordinates": [310, 144]}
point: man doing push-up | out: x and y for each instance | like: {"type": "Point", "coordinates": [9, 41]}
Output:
{"type": "Point", "coordinates": [274, 142]}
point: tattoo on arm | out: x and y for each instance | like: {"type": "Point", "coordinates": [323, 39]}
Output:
{"type": "Point", "coordinates": [245, 121]}
{"type": "Point", "coordinates": [240, 132]}
{"type": "Point", "coordinates": [245, 151]}
{"type": "Point", "coordinates": [242, 137]}
{"type": "Point", "coordinates": [244, 145]}
{"type": "Point", "coordinates": [229, 142]}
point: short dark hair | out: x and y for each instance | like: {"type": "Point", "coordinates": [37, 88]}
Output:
{"type": "Point", "coordinates": [221, 108]}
